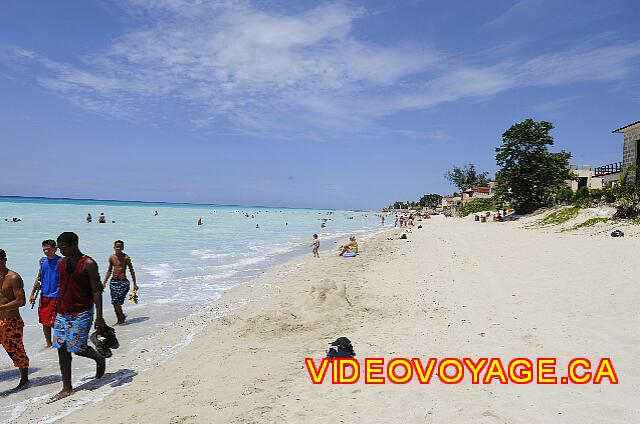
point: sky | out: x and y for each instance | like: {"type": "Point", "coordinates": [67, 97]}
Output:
{"type": "Point", "coordinates": [347, 105]}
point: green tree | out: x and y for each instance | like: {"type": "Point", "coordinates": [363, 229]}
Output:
{"type": "Point", "coordinates": [625, 191]}
{"type": "Point", "coordinates": [530, 176]}
{"type": "Point", "coordinates": [430, 200]}
{"type": "Point", "coordinates": [466, 177]}
{"type": "Point", "coordinates": [564, 195]}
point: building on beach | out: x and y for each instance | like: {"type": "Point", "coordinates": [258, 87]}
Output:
{"type": "Point", "coordinates": [631, 148]}
{"type": "Point", "coordinates": [450, 202]}
{"type": "Point", "coordinates": [586, 177]}
{"type": "Point", "coordinates": [630, 156]}
{"type": "Point", "coordinates": [478, 192]}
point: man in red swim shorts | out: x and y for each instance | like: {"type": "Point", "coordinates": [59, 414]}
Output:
{"type": "Point", "coordinates": [48, 280]}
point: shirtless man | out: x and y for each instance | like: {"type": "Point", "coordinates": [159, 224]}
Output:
{"type": "Point", "coordinates": [118, 264]}
{"type": "Point", "coordinates": [11, 324]}
{"type": "Point", "coordinates": [80, 290]}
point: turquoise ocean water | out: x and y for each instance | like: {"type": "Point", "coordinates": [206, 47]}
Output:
{"type": "Point", "coordinates": [180, 266]}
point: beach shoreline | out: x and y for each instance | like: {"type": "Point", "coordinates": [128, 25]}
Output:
{"type": "Point", "coordinates": [149, 353]}
{"type": "Point", "coordinates": [456, 288]}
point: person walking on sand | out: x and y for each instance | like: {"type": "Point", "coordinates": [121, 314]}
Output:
{"type": "Point", "coordinates": [119, 286]}
{"type": "Point", "coordinates": [48, 282]}
{"type": "Point", "coordinates": [315, 246]}
{"type": "Point", "coordinates": [11, 325]}
{"type": "Point", "coordinates": [80, 290]}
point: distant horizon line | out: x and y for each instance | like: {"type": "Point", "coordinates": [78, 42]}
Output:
{"type": "Point", "coordinates": [147, 202]}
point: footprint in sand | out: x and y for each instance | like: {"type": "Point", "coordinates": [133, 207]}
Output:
{"type": "Point", "coordinates": [179, 420]}
{"type": "Point", "coordinates": [189, 383]}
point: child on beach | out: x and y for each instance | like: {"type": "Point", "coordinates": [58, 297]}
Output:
{"type": "Point", "coordinates": [315, 246]}
{"type": "Point", "coordinates": [119, 286]}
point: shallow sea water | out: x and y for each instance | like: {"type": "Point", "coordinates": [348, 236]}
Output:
{"type": "Point", "coordinates": [180, 266]}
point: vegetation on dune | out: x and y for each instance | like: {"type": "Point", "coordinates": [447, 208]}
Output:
{"type": "Point", "coordinates": [589, 223]}
{"type": "Point", "coordinates": [560, 217]}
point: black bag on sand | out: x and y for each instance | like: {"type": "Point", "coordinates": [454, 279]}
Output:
{"type": "Point", "coordinates": [617, 233]}
{"type": "Point", "coordinates": [341, 348]}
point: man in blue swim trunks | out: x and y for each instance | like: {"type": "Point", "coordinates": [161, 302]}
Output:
{"type": "Point", "coordinates": [79, 291]}
{"type": "Point", "coordinates": [119, 285]}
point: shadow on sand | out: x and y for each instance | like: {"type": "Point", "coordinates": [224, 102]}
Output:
{"type": "Point", "coordinates": [34, 382]}
{"type": "Point", "coordinates": [14, 374]}
{"type": "Point", "coordinates": [113, 379]}
{"type": "Point", "coordinates": [136, 320]}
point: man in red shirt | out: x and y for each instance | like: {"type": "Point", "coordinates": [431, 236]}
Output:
{"type": "Point", "coordinates": [80, 289]}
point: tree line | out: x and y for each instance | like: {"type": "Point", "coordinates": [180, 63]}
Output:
{"type": "Point", "coordinates": [530, 176]}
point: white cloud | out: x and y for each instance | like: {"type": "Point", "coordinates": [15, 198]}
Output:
{"type": "Point", "coordinates": [596, 64]}
{"type": "Point", "coordinates": [290, 73]}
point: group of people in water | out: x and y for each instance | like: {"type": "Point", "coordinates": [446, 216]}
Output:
{"type": "Point", "coordinates": [70, 291]}
{"type": "Point", "coordinates": [102, 219]}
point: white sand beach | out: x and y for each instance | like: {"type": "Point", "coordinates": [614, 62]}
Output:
{"type": "Point", "coordinates": [457, 288]}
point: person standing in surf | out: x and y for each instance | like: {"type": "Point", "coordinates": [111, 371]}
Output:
{"type": "Point", "coordinates": [119, 286]}
{"type": "Point", "coordinates": [80, 291]}
{"type": "Point", "coordinates": [48, 281]}
{"type": "Point", "coordinates": [11, 325]}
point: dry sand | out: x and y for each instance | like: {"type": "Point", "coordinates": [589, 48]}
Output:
{"type": "Point", "coordinates": [457, 289]}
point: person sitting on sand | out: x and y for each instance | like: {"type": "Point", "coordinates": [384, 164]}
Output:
{"type": "Point", "coordinates": [119, 285]}
{"type": "Point", "coordinates": [351, 247]}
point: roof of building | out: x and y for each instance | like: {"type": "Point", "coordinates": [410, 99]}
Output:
{"type": "Point", "coordinates": [478, 189]}
{"type": "Point", "coordinates": [620, 130]}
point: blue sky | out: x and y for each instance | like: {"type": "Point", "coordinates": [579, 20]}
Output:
{"type": "Point", "coordinates": [300, 103]}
